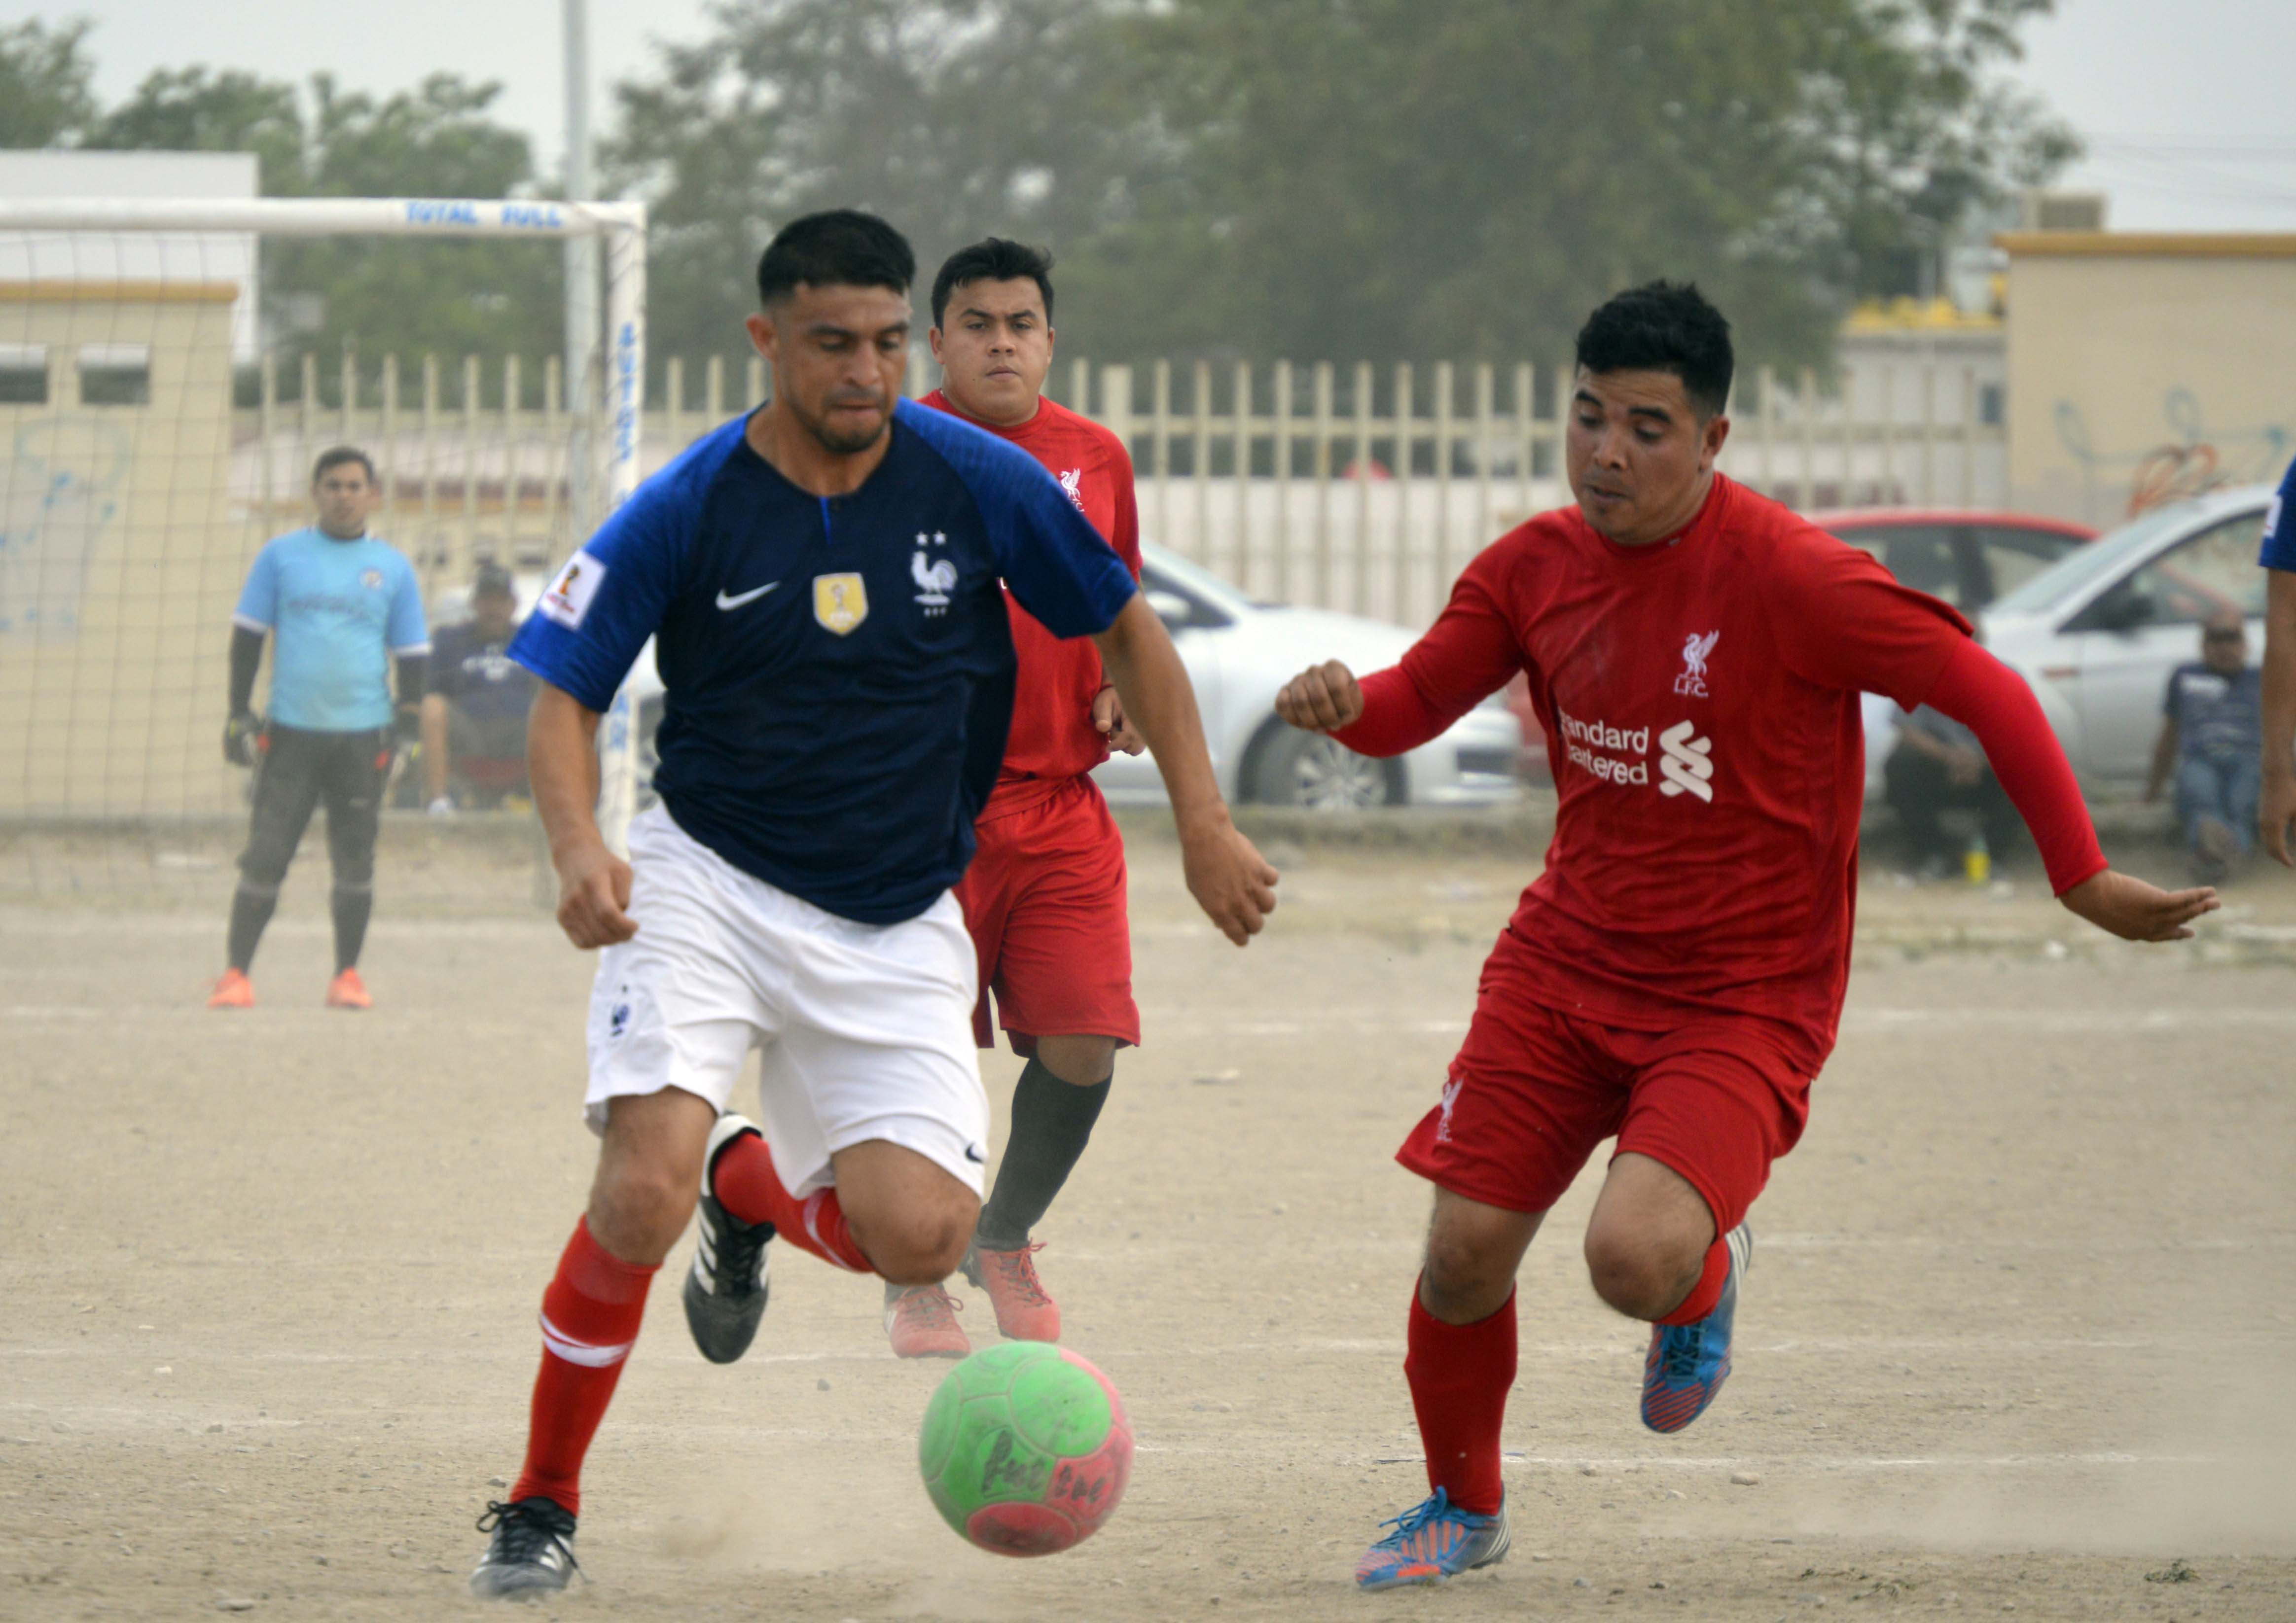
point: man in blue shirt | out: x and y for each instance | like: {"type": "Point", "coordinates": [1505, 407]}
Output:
{"type": "Point", "coordinates": [821, 581]}
{"type": "Point", "coordinates": [2278, 766]}
{"type": "Point", "coordinates": [341, 606]}
{"type": "Point", "coordinates": [2208, 745]}
{"type": "Point", "coordinates": [474, 715]}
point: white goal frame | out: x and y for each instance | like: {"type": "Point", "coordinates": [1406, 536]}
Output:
{"type": "Point", "coordinates": [622, 226]}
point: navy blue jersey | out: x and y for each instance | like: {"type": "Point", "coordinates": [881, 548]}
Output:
{"type": "Point", "coordinates": [838, 669]}
{"type": "Point", "coordinates": [2279, 551]}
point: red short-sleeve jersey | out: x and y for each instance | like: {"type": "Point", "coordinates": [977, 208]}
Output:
{"type": "Point", "coordinates": [1053, 738]}
{"type": "Point", "coordinates": [1699, 698]}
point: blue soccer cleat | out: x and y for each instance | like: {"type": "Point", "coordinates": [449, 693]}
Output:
{"type": "Point", "coordinates": [1433, 1540]}
{"type": "Point", "coordinates": [1688, 1363]}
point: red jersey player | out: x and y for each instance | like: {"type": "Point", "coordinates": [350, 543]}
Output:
{"type": "Point", "coordinates": [1044, 896]}
{"type": "Point", "coordinates": [1674, 977]}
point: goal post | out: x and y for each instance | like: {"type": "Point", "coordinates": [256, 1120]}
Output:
{"type": "Point", "coordinates": [140, 470]}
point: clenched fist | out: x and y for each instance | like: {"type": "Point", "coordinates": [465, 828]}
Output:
{"type": "Point", "coordinates": [1321, 699]}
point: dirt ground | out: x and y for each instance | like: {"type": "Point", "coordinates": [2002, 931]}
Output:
{"type": "Point", "coordinates": [2018, 1335]}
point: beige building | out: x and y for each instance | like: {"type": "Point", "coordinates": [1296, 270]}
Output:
{"type": "Point", "coordinates": [118, 559]}
{"type": "Point", "coordinates": [2141, 366]}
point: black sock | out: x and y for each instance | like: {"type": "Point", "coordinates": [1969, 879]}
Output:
{"type": "Point", "coordinates": [1051, 1123]}
{"type": "Point", "coordinates": [250, 911]}
{"type": "Point", "coordinates": [351, 908]}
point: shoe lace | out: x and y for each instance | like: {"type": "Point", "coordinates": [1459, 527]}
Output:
{"type": "Point", "coordinates": [1436, 1507]}
{"type": "Point", "coordinates": [933, 1308]}
{"type": "Point", "coordinates": [1679, 1352]}
{"type": "Point", "coordinates": [522, 1530]}
{"type": "Point", "coordinates": [739, 1246]}
{"type": "Point", "coordinates": [1018, 1272]}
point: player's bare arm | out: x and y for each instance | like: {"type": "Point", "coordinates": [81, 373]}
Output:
{"type": "Point", "coordinates": [2278, 804]}
{"type": "Point", "coordinates": [562, 763]}
{"type": "Point", "coordinates": [2126, 907]}
{"type": "Point", "coordinates": [1321, 699]}
{"type": "Point", "coordinates": [1228, 877]}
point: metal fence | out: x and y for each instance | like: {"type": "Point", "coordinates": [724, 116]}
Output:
{"type": "Point", "coordinates": [1347, 487]}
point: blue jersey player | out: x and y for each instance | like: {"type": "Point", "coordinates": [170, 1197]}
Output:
{"type": "Point", "coordinates": [821, 580]}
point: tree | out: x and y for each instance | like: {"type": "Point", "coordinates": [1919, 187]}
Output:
{"type": "Point", "coordinates": [1373, 178]}
{"type": "Point", "coordinates": [189, 109]}
{"type": "Point", "coordinates": [44, 100]}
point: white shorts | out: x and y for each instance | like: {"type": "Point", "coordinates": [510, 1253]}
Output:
{"type": "Point", "coordinates": [864, 1030]}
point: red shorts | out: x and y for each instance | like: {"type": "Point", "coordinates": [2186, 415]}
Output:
{"type": "Point", "coordinates": [1045, 900]}
{"type": "Point", "coordinates": [1534, 1090]}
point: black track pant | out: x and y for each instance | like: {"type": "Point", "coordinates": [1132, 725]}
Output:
{"type": "Point", "coordinates": [300, 770]}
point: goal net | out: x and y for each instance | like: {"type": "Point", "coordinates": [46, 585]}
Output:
{"type": "Point", "coordinates": [158, 423]}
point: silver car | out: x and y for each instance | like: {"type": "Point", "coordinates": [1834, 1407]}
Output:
{"type": "Point", "coordinates": [2097, 632]}
{"type": "Point", "coordinates": [1239, 651]}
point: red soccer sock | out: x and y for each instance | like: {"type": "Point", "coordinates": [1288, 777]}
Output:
{"type": "Point", "coordinates": [750, 1191]}
{"type": "Point", "coordinates": [1708, 1291]}
{"type": "Point", "coordinates": [590, 1316]}
{"type": "Point", "coordinates": [1459, 1376]}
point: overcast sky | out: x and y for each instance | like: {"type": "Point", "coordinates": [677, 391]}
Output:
{"type": "Point", "coordinates": [2185, 106]}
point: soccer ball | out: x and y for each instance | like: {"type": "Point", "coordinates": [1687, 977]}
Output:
{"type": "Point", "coordinates": [1026, 1448]}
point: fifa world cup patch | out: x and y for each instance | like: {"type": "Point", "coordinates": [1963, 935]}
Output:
{"type": "Point", "coordinates": [839, 602]}
{"type": "Point", "coordinates": [567, 599]}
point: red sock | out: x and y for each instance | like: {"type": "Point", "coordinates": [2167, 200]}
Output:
{"type": "Point", "coordinates": [590, 1316]}
{"type": "Point", "coordinates": [1459, 1376]}
{"type": "Point", "coordinates": [1708, 1291]}
{"type": "Point", "coordinates": [750, 1191]}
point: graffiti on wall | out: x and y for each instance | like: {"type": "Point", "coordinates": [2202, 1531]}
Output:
{"type": "Point", "coordinates": [2190, 458]}
{"type": "Point", "coordinates": [59, 493]}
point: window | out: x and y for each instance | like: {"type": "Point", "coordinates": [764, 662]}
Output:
{"type": "Point", "coordinates": [23, 374]}
{"type": "Point", "coordinates": [115, 374]}
{"type": "Point", "coordinates": [2214, 570]}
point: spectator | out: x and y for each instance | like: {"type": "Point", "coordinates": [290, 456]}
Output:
{"type": "Point", "coordinates": [2211, 741]}
{"type": "Point", "coordinates": [1937, 766]}
{"type": "Point", "coordinates": [474, 715]}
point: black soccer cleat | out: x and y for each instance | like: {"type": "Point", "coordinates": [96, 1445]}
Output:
{"type": "Point", "coordinates": [530, 1554]}
{"type": "Point", "coordinates": [726, 1290]}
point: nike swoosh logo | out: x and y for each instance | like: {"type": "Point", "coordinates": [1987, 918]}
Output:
{"type": "Point", "coordinates": [972, 1154]}
{"type": "Point", "coordinates": [724, 602]}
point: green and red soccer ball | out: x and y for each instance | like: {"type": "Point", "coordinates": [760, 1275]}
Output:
{"type": "Point", "coordinates": [1025, 1449]}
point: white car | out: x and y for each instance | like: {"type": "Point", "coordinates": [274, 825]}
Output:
{"type": "Point", "coordinates": [1239, 652]}
{"type": "Point", "coordinates": [2098, 632]}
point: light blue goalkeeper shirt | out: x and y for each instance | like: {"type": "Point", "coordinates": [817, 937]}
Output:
{"type": "Point", "coordinates": [337, 610]}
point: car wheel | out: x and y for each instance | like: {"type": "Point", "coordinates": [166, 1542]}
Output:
{"type": "Point", "coordinates": [1319, 773]}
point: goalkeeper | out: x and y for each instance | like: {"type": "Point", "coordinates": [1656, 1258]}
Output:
{"type": "Point", "coordinates": [342, 605]}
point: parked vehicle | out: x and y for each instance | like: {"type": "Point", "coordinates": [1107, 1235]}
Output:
{"type": "Point", "coordinates": [1969, 558]}
{"type": "Point", "coordinates": [2097, 634]}
{"type": "Point", "coordinates": [1239, 652]}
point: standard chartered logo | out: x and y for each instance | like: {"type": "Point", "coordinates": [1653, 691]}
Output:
{"type": "Point", "coordinates": [1685, 762]}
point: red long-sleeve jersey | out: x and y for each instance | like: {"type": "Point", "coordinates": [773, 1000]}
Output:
{"type": "Point", "coordinates": [1699, 698]}
{"type": "Point", "coordinates": [1053, 738]}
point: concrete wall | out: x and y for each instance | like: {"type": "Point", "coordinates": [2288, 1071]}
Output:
{"type": "Point", "coordinates": [2141, 364]}
{"type": "Point", "coordinates": [119, 561]}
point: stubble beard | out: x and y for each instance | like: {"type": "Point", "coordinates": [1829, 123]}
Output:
{"type": "Point", "coordinates": [842, 444]}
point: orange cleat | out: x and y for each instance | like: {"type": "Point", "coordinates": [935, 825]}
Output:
{"type": "Point", "coordinates": [921, 1323]}
{"type": "Point", "coordinates": [347, 991]}
{"type": "Point", "coordinates": [234, 991]}
{"type": "Point", "coordinates": [1024, 1311]}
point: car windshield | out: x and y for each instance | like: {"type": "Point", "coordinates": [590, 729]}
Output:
{"type": "Point", "coordinates": [1194, 577]}
{"type": "Point", "coordinates": [2100, 560]}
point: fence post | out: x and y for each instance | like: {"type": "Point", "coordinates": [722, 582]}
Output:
{"type": "Point", "coordinates": [510, 459]}
{"type": "Point", "coordinates": [1400, 609]}
{"type": "Point", "coordinates": [1808, 402]}
{"type": "Point", "coordinates": [1445, 384]}
{"type": "Point", "coordinates": [1767, 380]}
{"type": "Point", "coordinates": [1889, 483]}
{"type": "Point", "coordinates": [388, 449]}
{"type": "Point", "coordinates": [1116, 404]}
{"type": "Point", "coordinates": [1162, 406]}
{"type": "Point", "coordinates": [1525, 454]}
{"type": "Point", "coordinates": [267, 413]}
{"type": "Point", "coordinates": [470, 461]}
{"type": "Point", "coordinates": [1322, 465]}
{"type": "Point", "coordinates": [755, 385]}
{"type": "Point", "coordinates": [1361, 604]}
{"type": "Point", "coordinates": [1080, 389]}
{"type": "Point", "coordinates": [1929, 432]}
{"type": "Point", "coordinates": [306, 422]}
{"type": "Point", "coordinates": [1486, 405]}
{"type": "Point", "coordinates": [553, 449]}
{"type": "Point", "coordinates": [437, 553]}
{"type": "Point", "coordinates": [1242, 574]}
{"type": "Point", "coordinates": [673, 389]}
{"type": "Point", "coordinates": [1968, 436]}
{"type": "Point", "coordinates": [1281, 412]}
{"type": "Point", "coordinates": [349, 436]}
{"type": "Point", "coordinates": [713, 387]}
{"type": "Point", "coordinates": [1200, 457]}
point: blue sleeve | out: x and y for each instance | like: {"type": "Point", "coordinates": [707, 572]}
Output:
{"type": "Point", "coordinates": [2279, 551]}
{"type": "Point", "coordinates": [407, 632]}
{"type": "Point", "coordinates": [259, 599]}
{"type": "Point", "coordinates": [1057, 564]}
{"type": "Point", "coordinates": [598, 610]}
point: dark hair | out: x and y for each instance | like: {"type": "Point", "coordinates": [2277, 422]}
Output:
{"type": "Point", "coordinates": [492, 579]}
{"type": "Point", "coordinates": [1663, 327]}
{"type": "Point", "coordinates": [840, 247]}
{"type": "Point", "coordinates": [335, 456]}
{"type": "Point", "coordinates": [993, 260]}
